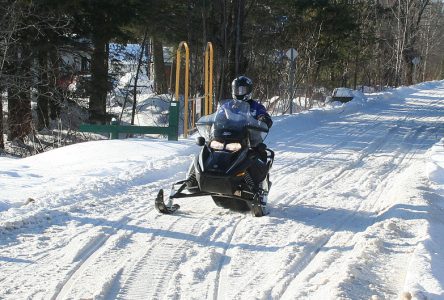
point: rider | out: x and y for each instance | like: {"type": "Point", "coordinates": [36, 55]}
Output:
{"type": "Point", "coordinates": [242, 88]}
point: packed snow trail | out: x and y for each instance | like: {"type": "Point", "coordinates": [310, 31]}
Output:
{"type": "Point", "coordinates": [350, 205]}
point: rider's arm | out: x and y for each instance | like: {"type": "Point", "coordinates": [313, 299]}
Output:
{"type": "Point", "coordinates": [262, 115]}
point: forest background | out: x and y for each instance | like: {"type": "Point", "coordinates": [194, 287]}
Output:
{"type": "Point", "coordinates": [366, 45]}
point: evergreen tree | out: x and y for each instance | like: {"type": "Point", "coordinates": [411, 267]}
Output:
{"type": "Point", "coordinates": [102, 21]}
{"type": "Point", "coordinates": [2, 141]}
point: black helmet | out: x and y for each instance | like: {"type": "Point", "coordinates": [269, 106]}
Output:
{"type": "Point", "coordinates": [242, 87]}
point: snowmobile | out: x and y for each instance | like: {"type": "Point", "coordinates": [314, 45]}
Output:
{"type": "Point", "coordinates": [233, 165]}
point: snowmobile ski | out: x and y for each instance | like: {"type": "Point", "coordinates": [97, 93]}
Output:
{"type": "Point", "coordinates": [164, 208]}
{"type": "Point", "coordinates": [169, 208]}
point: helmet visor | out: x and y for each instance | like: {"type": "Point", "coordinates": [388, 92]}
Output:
{"type": "Point", "coordinates": [240, 90]}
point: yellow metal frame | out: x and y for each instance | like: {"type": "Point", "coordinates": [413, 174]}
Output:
{"type": "Point", "coordinates": [209, 61]}
{"type": "Point", "coordinates": [209, 78]}
{"type": "Point", "coordinates": [187, 81]}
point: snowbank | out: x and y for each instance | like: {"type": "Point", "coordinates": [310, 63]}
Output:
{"type": "Point", "coordinates": [425, 278]}
{"type": "Point", "coordinates": [93, 168]}
{"type": "Point", "coordinates": [435, 165]}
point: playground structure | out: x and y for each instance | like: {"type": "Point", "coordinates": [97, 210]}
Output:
{"type": "Point", "coordinates": [191, 105]}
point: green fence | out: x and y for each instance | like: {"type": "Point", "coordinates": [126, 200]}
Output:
{"type": "Point", "coordinates": [114, 128]}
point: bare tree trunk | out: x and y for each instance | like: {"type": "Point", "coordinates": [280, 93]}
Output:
{"type": "Point", "coordinates": [232, 60]}
{"type": "Point", "coordinates": [194, 54]}
{"type": "Point", "coordinates": [441, 69]}
{"type": "Point", "coordinates": [204, 22]}
{"type": "Point", "coordinates": [223, 52]}
{"type": "Point", "coordinates": [2, 142]}
{"type": "Point", "coordinates": [414, 10]}
{"type": "Point", "coordinates": [239, 60]}
{"type": "Point", "coordinates": [160, 80]}
{"type": "Point", "coordinates": [19, 97]}
{"type": "Point", "coordinates": [99, 80]}
{"type": "Point", "coordinates": [42, 97]}
{"type": "Point", "coordinates": [409, 69]}
{"type": "Point", "coordinates": [136, 78]}
{"type": "Point", "coordinates": [148, 54]}
{"type": "Point", "coordinates": [400, 40]}
{"type": "Point", "coordinates": [56, 97]}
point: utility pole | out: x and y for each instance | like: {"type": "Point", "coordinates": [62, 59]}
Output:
{"type": "Point", "coordinates": [415, 63]}
{"type": "Point", "coordinates": [292, 54]}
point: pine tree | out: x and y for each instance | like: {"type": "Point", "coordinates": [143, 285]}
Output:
{"type": "Point", "coordinates": [102, 21]}
{"type": "Point", "coordinates": [2, 142]}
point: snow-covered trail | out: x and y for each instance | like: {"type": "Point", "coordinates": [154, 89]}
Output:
{"type": "Point", "coordinates": [348, 209]}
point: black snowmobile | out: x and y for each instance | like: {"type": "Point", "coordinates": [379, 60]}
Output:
{"type": "Point", "coordinates": [233, 165]}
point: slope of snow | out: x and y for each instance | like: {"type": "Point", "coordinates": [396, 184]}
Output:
{"type": "Point", "coordinates": [435, 164]}
{"type": "Point", "coordinates": [356, 213]}
{"type": "Point", "coordinates": [426, 276]}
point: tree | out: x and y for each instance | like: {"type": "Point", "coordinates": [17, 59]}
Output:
{"type": "Point", "coordinates": [16, 69]}
{"type": "Point", "coordinates": [2, 142]}
{"type": "Point", "coordinates": [136, 77]}
{"type": "Point", "coordinates": [43, 90]}
{"type": "Point", "coordinates": [102, 21]}
{"type": "Point", "coordinates": [347, 43]}
{"type": "Point", "coordinates": [27, 35]}
{"type": "Point", "coordinates": [19, 93]}
{"type": "Point", "coordinates": [432, 41]}
{"type": "Point", "coordinates": [413, 13]}
{"type": "Point", "coordinates": [161, 85]}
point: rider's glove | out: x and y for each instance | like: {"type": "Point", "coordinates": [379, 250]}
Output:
{"type": "Point", "coordinates": [266, 120]}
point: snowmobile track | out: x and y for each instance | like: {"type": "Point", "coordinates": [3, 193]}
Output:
{"type": "Point", "coordinates": [315, 158]}
{"type": "Point", "coordinates": [85, 257]}
{"type": "Point", "coordinates": [219, 288]}
{"type": "Point", "coordinates": [403, 156]}
{"type": "Point", "coordinates": [159, 261]}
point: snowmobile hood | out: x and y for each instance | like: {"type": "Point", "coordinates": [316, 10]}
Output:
{"type": "Point", "coordinates": [232, 121]}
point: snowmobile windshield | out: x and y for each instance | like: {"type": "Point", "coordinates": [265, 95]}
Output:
{"type": "Point", "coordinates": [232, 122]}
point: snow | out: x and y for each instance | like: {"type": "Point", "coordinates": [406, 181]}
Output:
{"type": "Point", "coordinates": [435, 164]}
{"type": "Point", "coordinates": [427, 277]}
{"type": "Point", "coordinates": [356, 208]}
{"type": "Point", "coordinates": [342, 92]}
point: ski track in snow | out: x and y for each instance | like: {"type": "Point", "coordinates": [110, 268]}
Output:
{"type": "Point", "coordinates": [344, 222]}
{"type": "Point", "coordinates": [352, 218]}
{"type": "Point", "coordinates": [220, 286]}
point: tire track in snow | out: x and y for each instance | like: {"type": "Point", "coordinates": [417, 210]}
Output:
{"type": "Point", "coordinates": [387, 283]}
{"type": "Point", "coordinates": [322, 180]}
{"type": "Point", "coordinates": [84, 258]}
{"type": "Point", "coordinates": [119, 287]}
{"type": "Point", "coordinates": [311, 252]}
{"type": "Point", "coordinates": [313, 159]}
{"type": "Point", "coordinates": [95, 255]}
{"type": "Point", "coordinates": [219, 284]}
{"type": "Point", "coordinates": [59, 254]}
{"type": "Point", "coordinates": [390, 287]}
{"type": "Point", "coordinates": [151, 273]}
{"type": "Point", "coordinates": [368, 150]}
{"type": "Point", "coordinates": [80, 212]}
{"type": "Point", "coordinates": [70, 213]}
{"type": "Point", "coordinates": [110, 257]}
{"type": "Point", "coordinates": [403, 155]}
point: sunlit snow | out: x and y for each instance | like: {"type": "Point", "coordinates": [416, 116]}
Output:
{"type": "Point", "coordinates": [356, 212]}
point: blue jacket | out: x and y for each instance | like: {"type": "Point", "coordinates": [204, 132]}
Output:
{"type": "Point", "coordinates": [259, 112]}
